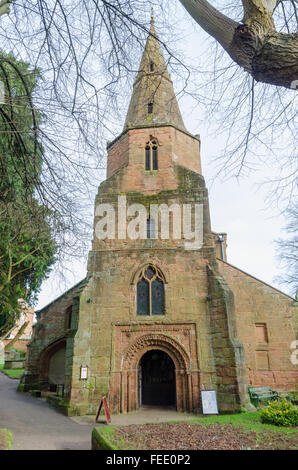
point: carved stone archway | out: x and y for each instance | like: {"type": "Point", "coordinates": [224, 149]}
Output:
{"type": "Point", "coordinates": [44, 360]}
{"type": "Point", "coordinates": [129, 370]}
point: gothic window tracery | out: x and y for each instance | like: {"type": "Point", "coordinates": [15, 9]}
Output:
{"type": "Point", "coordinates": [151, 156]}
{"type": "Point", "coordinates": [150, 292]}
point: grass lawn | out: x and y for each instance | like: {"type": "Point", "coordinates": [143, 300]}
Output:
{"type": "Point", "coordinates": [6, 439]}
{"type": "Point", "coordinates": [243, 431]}
{"type": "Point", "coordinates": [12, 373]}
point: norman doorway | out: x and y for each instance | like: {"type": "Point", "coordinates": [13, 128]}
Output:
{"type": "Point", "coordinates": [156, 377]}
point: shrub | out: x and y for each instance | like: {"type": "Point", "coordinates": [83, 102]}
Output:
{"type": "Point", "coordinates": [280, 413]}
{"type": "Point", "coordinates": [293, 396]}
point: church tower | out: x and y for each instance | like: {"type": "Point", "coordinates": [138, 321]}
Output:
{"type": "Point", "coordinates": [147, 327]}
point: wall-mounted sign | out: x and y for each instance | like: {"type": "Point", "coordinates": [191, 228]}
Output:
{"type": "Point", "coordinates": [83, 373]}
{"type": "Point", "coordinates": [209, 402]}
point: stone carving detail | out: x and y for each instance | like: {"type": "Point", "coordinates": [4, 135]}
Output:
{"type": "Point", "coordinates": [166, 343]}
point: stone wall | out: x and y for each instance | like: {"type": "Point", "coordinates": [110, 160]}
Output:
{"type": "Point", "coordinates": [108, 325]}
{"type": "Point", "coordinates": [50, 333]}
{"type": "Point", "coordinates": [174, 147]}
{"type": "Point", "coordinates": [20, 344]}
{"type": "Point", "coordinates": [228, 350]}
{"type": "Point", "coordinates": [266, 321]}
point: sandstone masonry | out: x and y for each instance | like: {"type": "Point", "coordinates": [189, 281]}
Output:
{"type": "Point", "coordinates": [152, 319]}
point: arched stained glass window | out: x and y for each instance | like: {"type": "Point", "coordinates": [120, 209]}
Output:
{"type": "Point", "coordinates": [143, 297]}
{"type": "Point", "coordinates": [151, 156]}
{"type": "Point", "coordinates": [157, 294]}
{"type": "Point", "coordinates": [150, 292]}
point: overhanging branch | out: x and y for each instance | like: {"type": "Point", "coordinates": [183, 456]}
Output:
{"type": "Point", "coordinates": [215, 23]}
{"type": "Point", "coordinates": [4, 6]}
{"type": "Point", "coordinates": [270, 57]}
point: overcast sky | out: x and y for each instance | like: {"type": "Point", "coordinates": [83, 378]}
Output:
{"type": "Point", "coordinates": [237, 207]}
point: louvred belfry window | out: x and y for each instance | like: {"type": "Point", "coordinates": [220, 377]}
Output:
{"type": "Point", "coordinates": [151, 156]}
{"type": "Point", "coordinates": [150, 292]}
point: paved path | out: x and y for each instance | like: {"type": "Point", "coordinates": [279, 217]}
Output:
{"type": "Point", "coordinates": [146, 414]}
{"type": "Point", "coordinates": [38, 426]}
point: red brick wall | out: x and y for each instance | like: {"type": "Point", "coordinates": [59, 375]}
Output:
{"type": "Point", "coordinates": [20, 344]}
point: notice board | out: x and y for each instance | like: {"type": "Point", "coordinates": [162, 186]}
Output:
{"type": "Point", "coordinates": [209, 402]}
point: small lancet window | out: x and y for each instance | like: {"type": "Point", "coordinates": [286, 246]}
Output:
{"type": "Point", "coordinates": [151, 156]}
{"type": "Point", "coordinates": [147, 157]}
{"type": "Point", "coordinates": [154, 157]}
{"type": "Point", "coordinates": [68, 317]}
{"type": "Point", "coordinates": [150, 228]}
{"type": "Point", "coordinates": [150, 108]}
{"type": "Point", "coordinates": [150, 292]}
{"type": "Point", "coordinates": [151, 66]}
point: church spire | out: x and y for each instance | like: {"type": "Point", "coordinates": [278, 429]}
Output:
{"type": "Point", "coordinates": [153, 100]}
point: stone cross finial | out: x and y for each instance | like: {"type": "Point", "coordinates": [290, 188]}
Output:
{"type": "Point", "coordinates": [152, 16]}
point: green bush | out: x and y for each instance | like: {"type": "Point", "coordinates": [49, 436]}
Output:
{"type": "Point", "coordinates": [20, 351]}
{"type": "Point", "coordinates": [280, 413]}
{"type": "Point", "coordinates": [293, 396]}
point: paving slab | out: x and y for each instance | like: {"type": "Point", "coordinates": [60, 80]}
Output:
{"type": "Point", "coordinates": [145, 414]}
{"type": "Point", "coordinates": [37, 425]}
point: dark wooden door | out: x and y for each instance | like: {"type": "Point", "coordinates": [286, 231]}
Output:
{"type": "Point", "coordinates": [157, 379]}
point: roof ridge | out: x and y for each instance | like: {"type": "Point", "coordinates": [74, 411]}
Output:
{"type": "Point", "coordinates": [256, 278]}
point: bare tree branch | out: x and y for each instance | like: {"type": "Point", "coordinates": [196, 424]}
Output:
{"type": "Point", "coordinates": [4, 6]}
{"type": "Point", "coordinates": [270, 57]}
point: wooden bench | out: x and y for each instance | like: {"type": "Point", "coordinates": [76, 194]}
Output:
{"type": "Point", "coordinates": [262, 394]}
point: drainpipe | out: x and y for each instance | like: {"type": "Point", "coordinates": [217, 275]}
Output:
{"type": "Point", "coordinates": [221, 237]}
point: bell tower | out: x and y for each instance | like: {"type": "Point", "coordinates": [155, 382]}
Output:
{"type": "Point", "coordinates": [152, 269]}
{"type": "Point", "coordinates": [156, 321]}
{"type": "Point", "coordinates": [153, 123]}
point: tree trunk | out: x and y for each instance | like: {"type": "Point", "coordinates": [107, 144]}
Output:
{"type": "Point", "coordinates": [17, 336]}
{"type": "Point", "coordinates": [269, 56]}
{"type": "Point", "coordinates": [4, 6]}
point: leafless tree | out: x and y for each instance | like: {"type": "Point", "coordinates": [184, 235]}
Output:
{"type": "Point", "coordinates": [288, 251]}
{"type": "Point", "coordinates": [255, 118]}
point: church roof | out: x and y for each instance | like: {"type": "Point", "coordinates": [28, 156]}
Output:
{"type": "Point", "coordinates": [255, 278]}
{"type": "Point", "coordinates": [73, 290]}
{"type": "Point", "coordinates": [153, 100]}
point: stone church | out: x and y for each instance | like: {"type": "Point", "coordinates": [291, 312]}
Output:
{"type": "Point", "coordinates": [156, 322]}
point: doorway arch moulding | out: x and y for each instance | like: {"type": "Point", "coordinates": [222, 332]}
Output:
{"type": "Point", "coordinates": [129, 370]}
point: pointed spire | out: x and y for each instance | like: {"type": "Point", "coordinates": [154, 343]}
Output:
{"type": "Point", "coordinates": [153, 100]}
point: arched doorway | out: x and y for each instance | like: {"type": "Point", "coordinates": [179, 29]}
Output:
{"type": "Point", "coordinates": [52, 365]}
{"type": "Point", "coordinates": [126, 384]}
{"type": "Point", "coordinates": [156, 379]}
{"type": "Point", "coordinates": [57, 367]}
